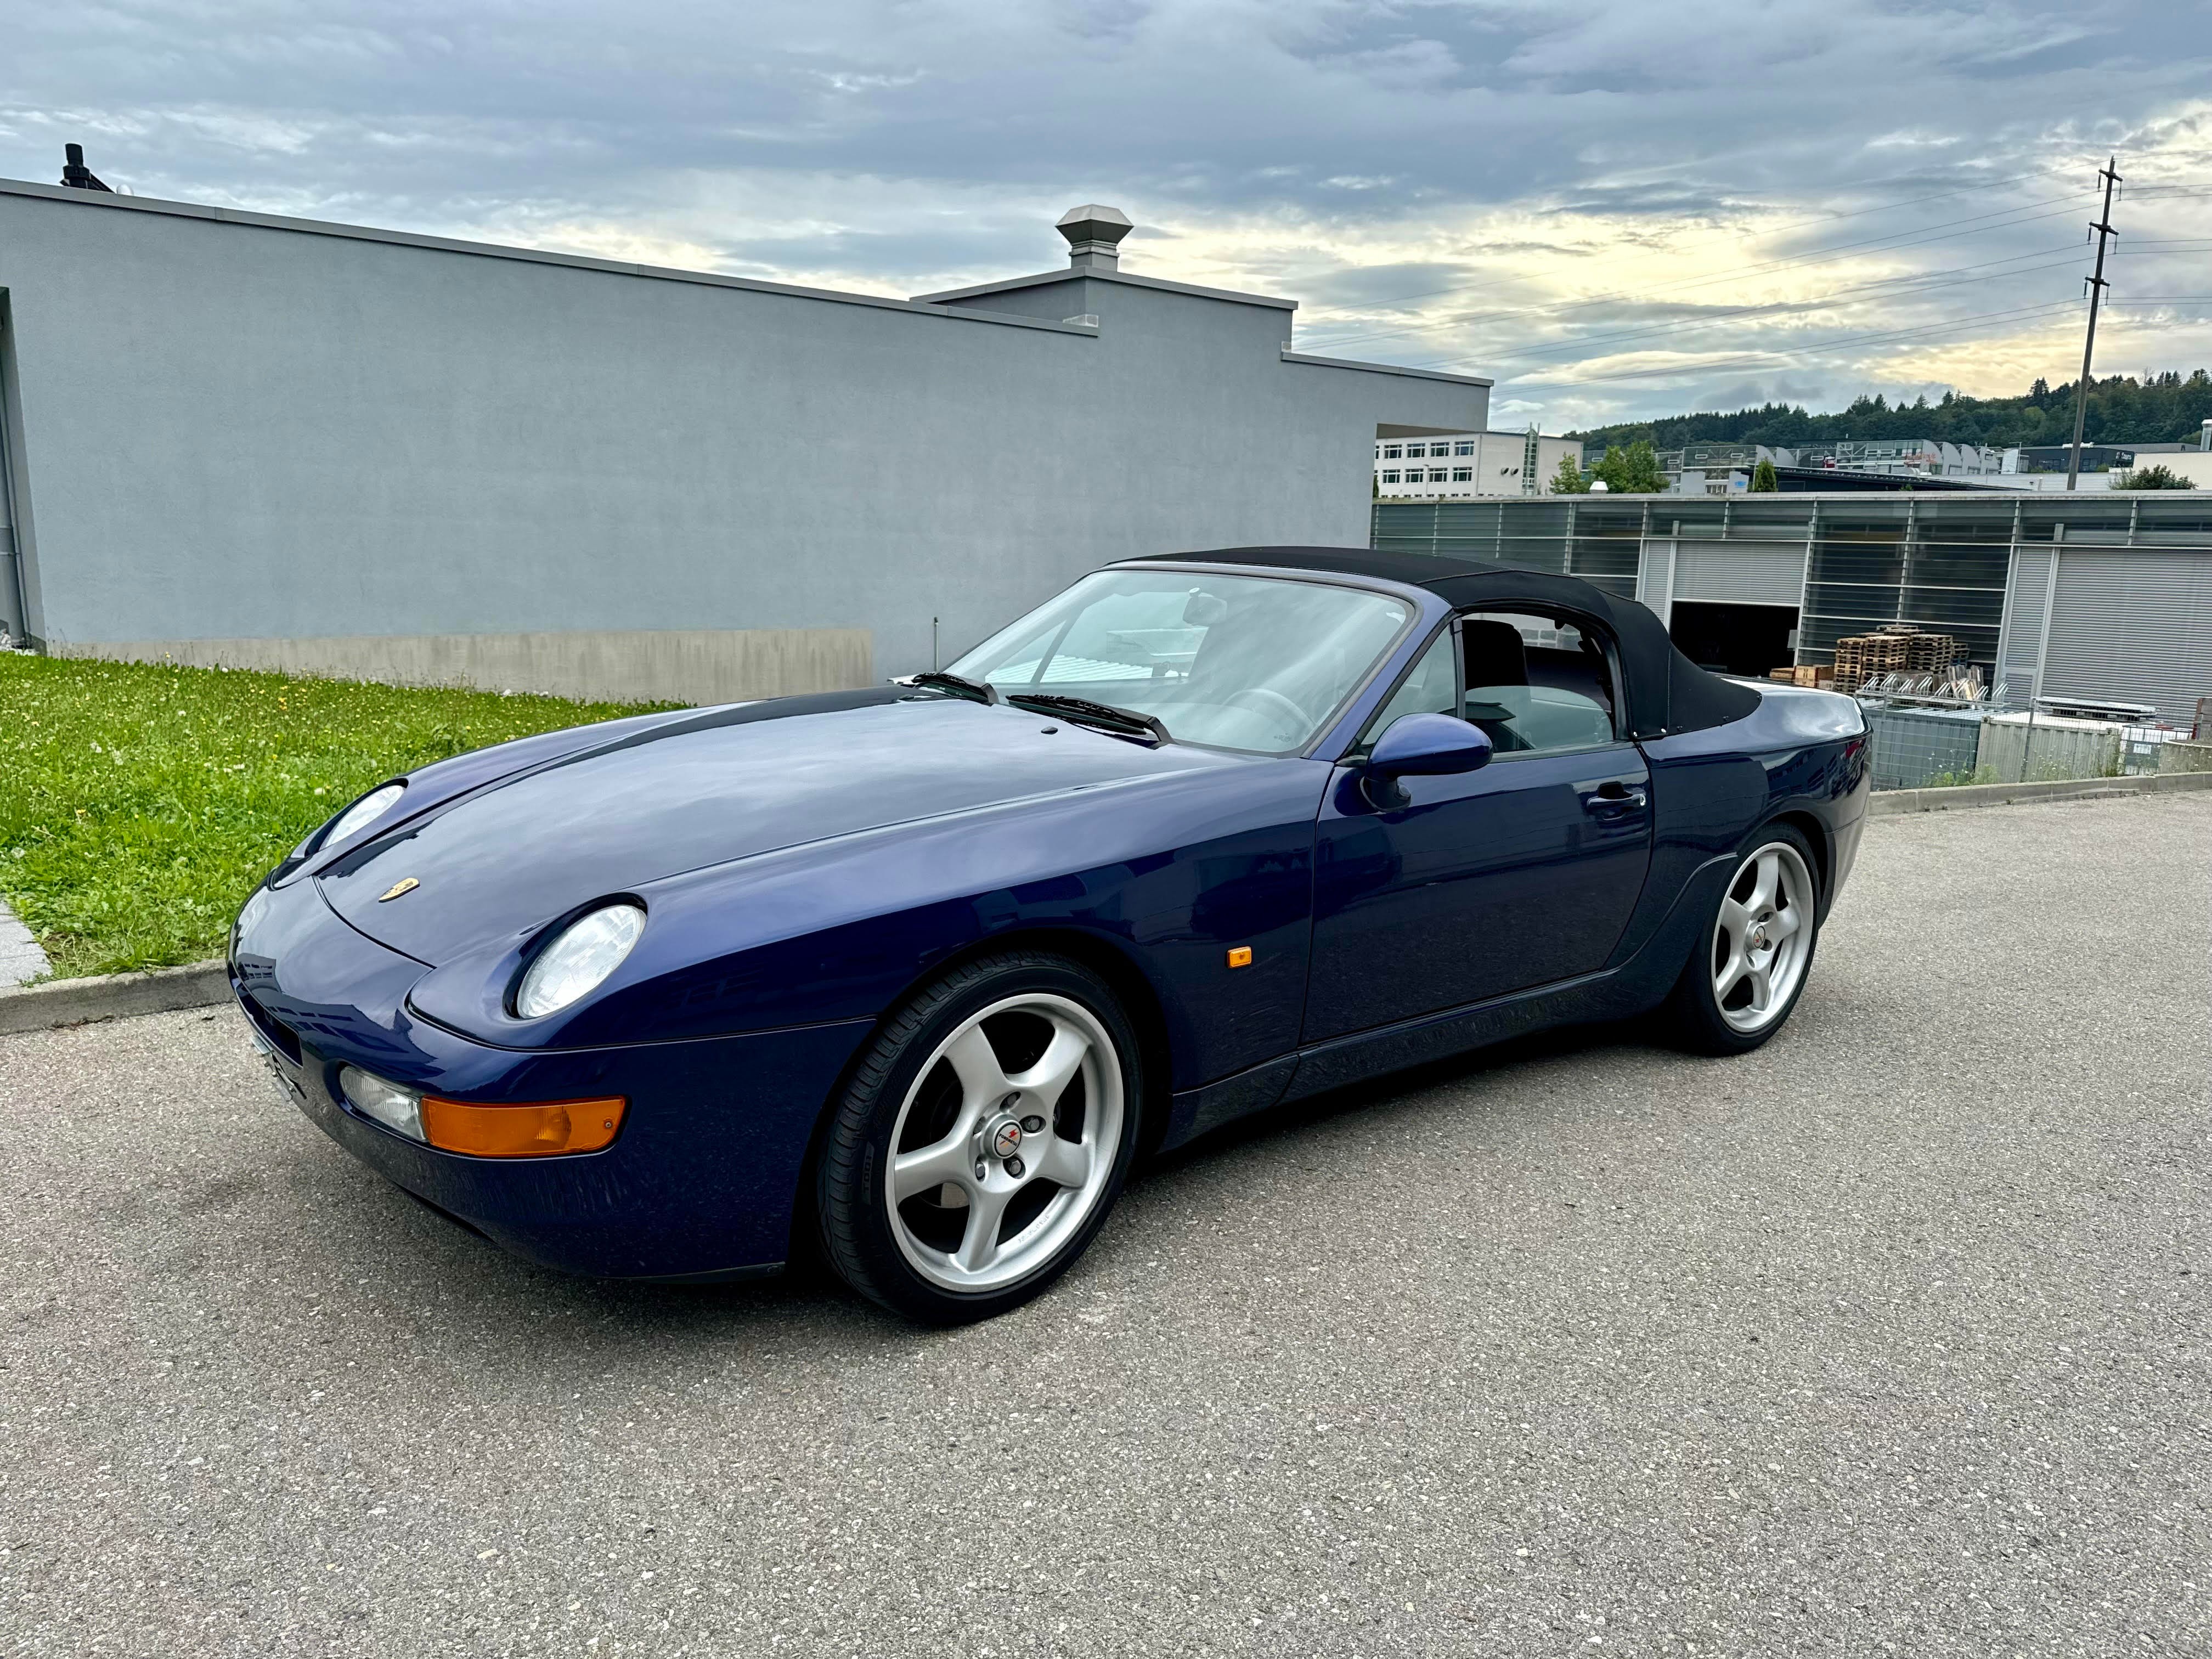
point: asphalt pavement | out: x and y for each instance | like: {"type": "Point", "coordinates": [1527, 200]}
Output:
{"type": "Point", "coordinates": [1889, 1338]}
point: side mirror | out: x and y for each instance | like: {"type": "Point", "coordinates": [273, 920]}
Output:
{"type": "Point", "coordinates": [1428, 745]}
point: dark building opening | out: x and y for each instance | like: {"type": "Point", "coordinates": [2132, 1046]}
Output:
{"type": "Point", "coordinates": [1735, 639]}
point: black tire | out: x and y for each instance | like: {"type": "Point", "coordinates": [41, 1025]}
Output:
{"type": "Point", "coordinates": [860, 1234]}
{"type": "Point", "coordinates": [1693, 1018]}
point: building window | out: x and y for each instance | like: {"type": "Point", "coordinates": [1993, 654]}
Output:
{"type": "Point", "coordinates": [1390, 475]}
{"type": "Point", "coordinates": [1462, 474]}
{"type": "Point", "coordinates": [1463, 449]}
{"type": "Point", "coordinates": [1393, 452]}
{"type": "Point", "coordinates": [1437, 474]}
{"type": "Point", "coordinates": [1439, 449]}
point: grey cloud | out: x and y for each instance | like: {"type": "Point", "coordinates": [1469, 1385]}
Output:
{"type": "Point", "coordinates": [1343, 150]}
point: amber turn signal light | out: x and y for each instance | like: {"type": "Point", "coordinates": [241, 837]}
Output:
{"type": "Point", "coordinates": [543, 1130]}
{"type": "Point", "coordinates": [1240, 955]}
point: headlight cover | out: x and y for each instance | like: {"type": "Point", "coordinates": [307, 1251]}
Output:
{"type": "Point", "coordinates": [394, 1107]}
{"type": "Point", "coordinates": [363, 813]}
{"type": "Point", "coordinates": [578, 961]}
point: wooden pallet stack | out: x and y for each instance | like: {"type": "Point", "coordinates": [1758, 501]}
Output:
{"type": "Point", "coordinates": [1894, 647]}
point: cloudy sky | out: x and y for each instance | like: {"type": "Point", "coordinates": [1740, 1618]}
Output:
{"type": "Point", "coordinates": [1614, 210]}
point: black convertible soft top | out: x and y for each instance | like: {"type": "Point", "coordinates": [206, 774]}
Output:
{"type": "Point", "coordinates": [1665, 691]}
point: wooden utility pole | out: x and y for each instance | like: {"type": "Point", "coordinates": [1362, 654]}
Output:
{"type": "Point", "coordinates": [2097, 286]}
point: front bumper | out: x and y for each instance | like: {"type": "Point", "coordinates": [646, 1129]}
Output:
{"type": "Point", "coordinates": [701, 1183]}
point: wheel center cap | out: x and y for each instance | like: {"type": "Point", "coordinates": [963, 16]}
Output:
{"type": "Point", "coordinates": [1006, 1138]}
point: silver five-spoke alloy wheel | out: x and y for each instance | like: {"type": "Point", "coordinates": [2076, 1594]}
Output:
{"type": "Point", "coordinates": [1029, 1153]}
{"type": "Point", "coordinates": [1762, 938]}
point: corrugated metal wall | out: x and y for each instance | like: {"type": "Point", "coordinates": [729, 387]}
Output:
{"type": "Point", "coordinates": [2133, 625]}
{"type": "Point", "coordinates": [1740, 573]}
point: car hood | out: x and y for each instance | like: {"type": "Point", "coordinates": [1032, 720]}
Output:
{"type": "Point", "coordinates": [725, 784]}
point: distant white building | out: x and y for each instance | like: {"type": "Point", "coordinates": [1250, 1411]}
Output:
{"type": "Point", "coordinates": [2193, 465]}
{"type": "Point", "coordinates": [1459, 465]}
{"type": "Point", "coordinates": [1724, 469]}
{"type": "Point", "coordinates": [1926, 457]}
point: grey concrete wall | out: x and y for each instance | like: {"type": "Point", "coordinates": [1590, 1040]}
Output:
{"type": "Point", "coordinates": [231, 428]}
{"type": "Point", "coordinates": [687, 664]}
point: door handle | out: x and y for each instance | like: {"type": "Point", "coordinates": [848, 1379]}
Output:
{"type": "Point", "coordinates": [1623, 800]}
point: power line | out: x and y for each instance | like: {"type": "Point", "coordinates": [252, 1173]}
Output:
{"type": "Point", "coordinates": [1906, 286]}
{"type": "Point", "coordinates": [2161, 191]}
{"type": "Point", "coordinates": [1777, 230]}
{"type": "Point", "coordinates": [1508, 357]}
{"type": "Point", "coordinates": [1916, 237]}
{"type": "Point", "coordinates": [1880, 337]}
{"type": "Point", "coordinates": [1902, 239]}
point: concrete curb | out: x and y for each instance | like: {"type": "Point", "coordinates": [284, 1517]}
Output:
{"type": "Point", "coordinates": [113, 996]}
{"type": "Point", "coordinates": [116, 996]}
{"type": "Point", "coordinates": [1887, 802]}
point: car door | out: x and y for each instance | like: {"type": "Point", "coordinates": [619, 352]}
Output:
{"type": "Point", "coordinates": [1470, 886]}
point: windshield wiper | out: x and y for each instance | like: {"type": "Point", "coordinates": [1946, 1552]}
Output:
{"type": "Point", "coordinates": [1118, 722]}
{"type": "Point", "coordinates": [959, 684]}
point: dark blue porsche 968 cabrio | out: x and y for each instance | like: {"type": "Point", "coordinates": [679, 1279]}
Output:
{"type": "Point", "coordinates": [915, 973]}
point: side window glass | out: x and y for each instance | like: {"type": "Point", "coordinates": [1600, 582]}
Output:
{"type": "Point", "coordinates": [1431, 686]}
{"type": "Point", "coordinates": [1536, 684]}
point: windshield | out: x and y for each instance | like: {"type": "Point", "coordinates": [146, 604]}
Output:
{"type": "Point", "coordinates": [1239, 662]}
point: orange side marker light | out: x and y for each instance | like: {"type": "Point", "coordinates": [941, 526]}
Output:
{"type": "Point", "coordinates": [546, 1129]}
{"type": "Point", "coordinates": [1240, 955]}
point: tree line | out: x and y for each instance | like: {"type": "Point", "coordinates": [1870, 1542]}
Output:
{"type": "Point", "coordinates": [2163, 408]}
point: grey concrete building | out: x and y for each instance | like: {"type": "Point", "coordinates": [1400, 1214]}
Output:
{"type": "Point", "coordinates": [235, 438]}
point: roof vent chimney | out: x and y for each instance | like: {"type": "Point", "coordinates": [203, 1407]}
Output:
{"type": "Point", "coordinates": [1094, 236]}
{"type": "Point", "coordinates": [74, 174]}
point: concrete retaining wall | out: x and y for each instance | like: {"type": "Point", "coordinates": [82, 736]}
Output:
{"type": "Point", "coordinates": [2184, 758]}
{"type": "Point", "coordinates": [697, 666]}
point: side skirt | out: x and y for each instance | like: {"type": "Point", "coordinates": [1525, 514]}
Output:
{"type": "Point", "coordinates": [1635, 987]}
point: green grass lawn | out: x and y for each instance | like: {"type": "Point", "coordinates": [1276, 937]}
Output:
{"type": "Point", "coordinates": [140, 804]}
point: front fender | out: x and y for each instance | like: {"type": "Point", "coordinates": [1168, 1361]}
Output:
{"type": "Point", "coordinates": [1173, 871]}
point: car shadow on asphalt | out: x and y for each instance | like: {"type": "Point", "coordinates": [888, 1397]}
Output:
{"type": "Point", "coordinates": [808, 1304]}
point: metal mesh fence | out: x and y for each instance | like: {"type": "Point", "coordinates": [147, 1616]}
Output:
{"type": "Point", "coordinates": [1920, 746]}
